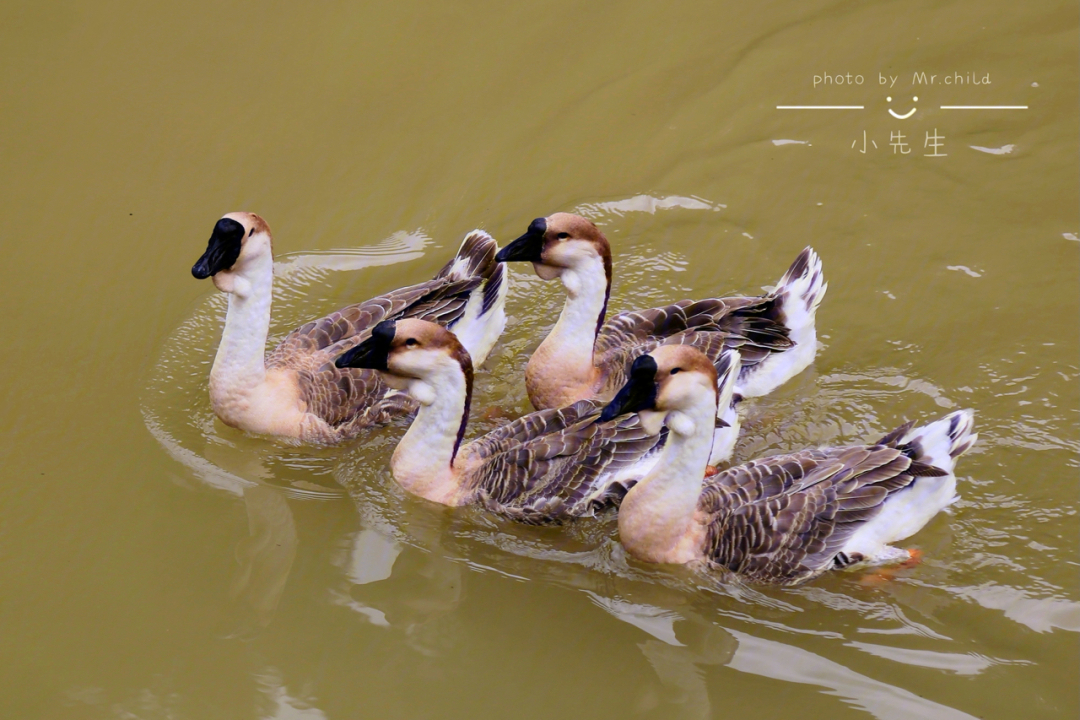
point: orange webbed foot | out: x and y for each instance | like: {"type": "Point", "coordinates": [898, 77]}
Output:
{"type": "Point", "coordinates": [915, 557]}
{"type": "Point", "coordinates": [884, 575]}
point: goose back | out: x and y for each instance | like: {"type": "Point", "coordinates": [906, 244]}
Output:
{"type": "Point", "coordinates": [553, 465]}
{"type": "Point", "coordinates": [752, 325]}
{"type": "Point", "coordinates": [785, 519]}
{"type": "Point", "coordinates": [348, 399]}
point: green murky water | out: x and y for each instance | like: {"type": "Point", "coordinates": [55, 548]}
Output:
{"type": "Point", "coordinates": [155, 564]}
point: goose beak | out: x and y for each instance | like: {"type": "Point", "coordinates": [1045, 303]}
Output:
{"type": "Point", "coordinates": [639, 393]}
{"type": "Point", "coordinates": [528, 247]}
{"type": "Point", "coordinates": [373, 353]}
{"type": "Point", "coordinates": [222, 250]}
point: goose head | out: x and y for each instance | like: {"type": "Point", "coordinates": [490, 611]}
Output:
{"type": "Point", "coordinates": [417, 356]}
{"type": "Point", "coordinates": [559, 243]}
{"type": "Point", "coordinates": [664, 386]}
{"type": "Point", "coordinates": [238, 239]}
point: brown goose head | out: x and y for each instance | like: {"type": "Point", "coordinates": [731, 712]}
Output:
{"type": "Point", "coordinates": [407, 350]}
{"type": "Point", "coordinates": [238, 238]}
{"type": "Point", "coordinates": [559, 242]}
{"type": "Point", "coordinates": [670, 378]}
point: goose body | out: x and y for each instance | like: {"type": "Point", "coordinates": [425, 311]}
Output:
{"type": "Point", "coordinates": [783, 519]}
{"type": "Point", "coordinates": [548, 466]}
{"type": "Point", "coordinates": [296, 391]}
{"type": "Point", "coordinates": [585, 358]}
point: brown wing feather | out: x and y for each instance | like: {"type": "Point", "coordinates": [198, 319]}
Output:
{"type": "Point", "coordinates": [751, 324]}
{"type": "Point", "coordinates": [784, 519]}
{"type": "Point", "coordinates": [349, 399]}
{"type": "Point", "coordinates": [532, 426]}
{"type": "Point", "coordinates": [553, 465]}
{"type": "Point", "coordinates": [442, 298]}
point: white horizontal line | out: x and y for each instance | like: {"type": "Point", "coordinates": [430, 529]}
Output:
{"type": "Point", "coordinates": [984, 107]}
{"type": "Point", "coordinates": [819, 107]}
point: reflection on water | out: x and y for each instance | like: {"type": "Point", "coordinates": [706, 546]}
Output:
{"type": "Point", "coordinates": [417, 604]}
{"type": "Point", "coordinates": [279, 704]}
{"type": "Point", "coordinates": [266, 555]}
{"type": "Point", "coordinates": [1039, 614]}
{"type": "Point", "coordinates": [792, 664]}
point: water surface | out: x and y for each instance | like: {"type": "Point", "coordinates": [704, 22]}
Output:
{"type": "Point", "coordinates": [156, 564]}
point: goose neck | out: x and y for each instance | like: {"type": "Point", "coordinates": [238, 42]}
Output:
{"type": "Point", "coordinates": [424, 461]}
{"type": "Point", "coordinates": [657, 520]}
{"type": "Point", "coordinates": [240, 363]}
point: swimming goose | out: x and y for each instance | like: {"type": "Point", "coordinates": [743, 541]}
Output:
{"type": "Point", "coordinates": [548, 466]}
{"type": "Point", "coordinates": [584, 358]}
{"type": "Point", "coordinates": [296, 391]}
{"type": "Point", "coordinates": [783, 519]}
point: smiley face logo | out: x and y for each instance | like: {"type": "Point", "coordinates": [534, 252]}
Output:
{"type": "Point", "coordinates": [906, 115]}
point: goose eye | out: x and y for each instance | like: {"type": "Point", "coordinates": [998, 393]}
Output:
{"type": "Point", "coordinates": [676, 370]}
{"type": "Point", "coordinates": [563, 236]}
{"type": "Point", "coordinates": [412, 341]}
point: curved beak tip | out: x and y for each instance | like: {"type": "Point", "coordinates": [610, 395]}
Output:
{"type": "Point", "coordinates": [527, 248]}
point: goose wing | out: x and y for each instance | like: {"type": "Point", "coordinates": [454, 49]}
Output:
{"type": "Point", "coordinates": [441, 300]}
{"type": "Point", "coordinates": [351, 399]}
{"type": "Point", "coordinates": [784, 519]}
{"type": "Point", "coordinates": [532, 426]}
{"type": "Point", "coordinates": [554, 465]}
{"type": "Point", "coordinates": [753, 325]}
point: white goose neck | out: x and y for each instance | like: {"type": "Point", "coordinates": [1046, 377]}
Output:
{"type": "Point", "coordinates": [657, 514]}
{"type": "Point", "coordinates": [423, 462]}
{"type": "Point", "coordinates": [572, 339]}
{"type": "Point", "coordinates": [240, 357]}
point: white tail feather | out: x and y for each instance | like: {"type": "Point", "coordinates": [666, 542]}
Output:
{"type": "Point", "coordinates": [724, 437]}
{"type": "Point", "coordinates": [801, 290]}
{"type": "Point", "coordinates": [944, 440]}
{"type": "Point", "coordinates": [799, 293]}
{"type": "Point", "coordinates": [907, 511]}
{"type": "Point", "coordinates": [484, 318]}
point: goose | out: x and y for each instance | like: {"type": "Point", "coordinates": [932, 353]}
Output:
{"type": "Point", "coordinates": [783, 519]}
{"type": "Point", "coordinates": [545, 467]}
{"type": "Point", "coordinates": [296, 392]}
{"type": "Point", "coordinates": [584, 357]}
